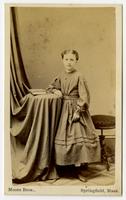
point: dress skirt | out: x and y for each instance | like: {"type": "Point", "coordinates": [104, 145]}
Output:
{"type": "Point", "coordinates": [76, 142]}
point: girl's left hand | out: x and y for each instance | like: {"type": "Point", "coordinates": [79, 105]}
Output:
{"type": "Point", "coordinates": [76, 117]}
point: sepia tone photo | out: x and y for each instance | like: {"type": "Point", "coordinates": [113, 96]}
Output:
{"type": "Point", "coordinates": [63, 84]}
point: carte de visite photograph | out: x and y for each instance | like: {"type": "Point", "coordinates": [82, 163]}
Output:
{"type": "Point", "coordinates": [63, 99]}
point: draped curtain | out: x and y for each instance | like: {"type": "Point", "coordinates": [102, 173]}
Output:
{"type": "Point", "coordinates": [31, 134]}
{"type": "Point", "coordinates": [18, 77]}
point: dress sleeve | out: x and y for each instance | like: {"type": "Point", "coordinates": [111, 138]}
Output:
{"type": "Point", "coordinates": [55, 84]}
{"type": "Point", "coordinates": [84, 96]}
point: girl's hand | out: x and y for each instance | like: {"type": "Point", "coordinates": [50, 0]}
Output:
{"type": "Point", "coordinates": [57, 92]}
{"type": "Point", "coordinates": [76, 117]}
{"type": "Point", "coordinates": [49, 90]}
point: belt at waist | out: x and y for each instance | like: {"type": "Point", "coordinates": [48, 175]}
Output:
{"type": "Point", "coordinates": [69, 97]}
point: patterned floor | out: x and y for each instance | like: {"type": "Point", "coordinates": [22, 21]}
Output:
{"type": "Point", "coordinates": [96, 175]}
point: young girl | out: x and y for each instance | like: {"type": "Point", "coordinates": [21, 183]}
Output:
{"type": "Point", "coordinates": [76, 142]}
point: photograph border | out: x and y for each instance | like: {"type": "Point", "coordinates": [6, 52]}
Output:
{"type": "Point", "coordinates": [116, 190]}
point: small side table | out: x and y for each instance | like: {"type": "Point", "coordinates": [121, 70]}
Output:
{"type": "Point", "coordinates": [103, 122]}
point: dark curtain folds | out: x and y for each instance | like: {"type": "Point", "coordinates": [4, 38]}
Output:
{"type": "Point", "coordinates": [18, 79]}
{"type": "Point", "coordinates": [34, 121]}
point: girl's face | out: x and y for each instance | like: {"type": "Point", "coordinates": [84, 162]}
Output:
{"type": "Point", "coordinates": [69, 61]}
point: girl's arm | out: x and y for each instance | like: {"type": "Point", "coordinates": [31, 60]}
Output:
{"type": "Point", "coordinates": [84, 96]}
{"type": "Point", "coordinates": [55, 87]}
{"type": "Point", "coordinates": [56, 84]}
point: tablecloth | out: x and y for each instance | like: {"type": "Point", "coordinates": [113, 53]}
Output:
{"type": "Point", "coordinates": [33, 128]}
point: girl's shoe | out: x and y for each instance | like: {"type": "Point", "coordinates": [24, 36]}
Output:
{"type": "Point", "coordinates": [82, 178]}
{"type": "Point", "coordinates": [84, 166]}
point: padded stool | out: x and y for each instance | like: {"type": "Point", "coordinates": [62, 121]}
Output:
{"type": "Point", "coordinates": [103, 122]}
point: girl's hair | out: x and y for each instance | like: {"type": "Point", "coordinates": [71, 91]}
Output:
{"type": "Point", "coordinates": [70, 51]}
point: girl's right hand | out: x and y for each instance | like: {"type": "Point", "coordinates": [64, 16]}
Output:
{"type": "Point", "coordinates": [57, 92]}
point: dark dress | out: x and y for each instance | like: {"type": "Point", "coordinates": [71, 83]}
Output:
{"type": "Point", "coordinates": [75, 142]}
